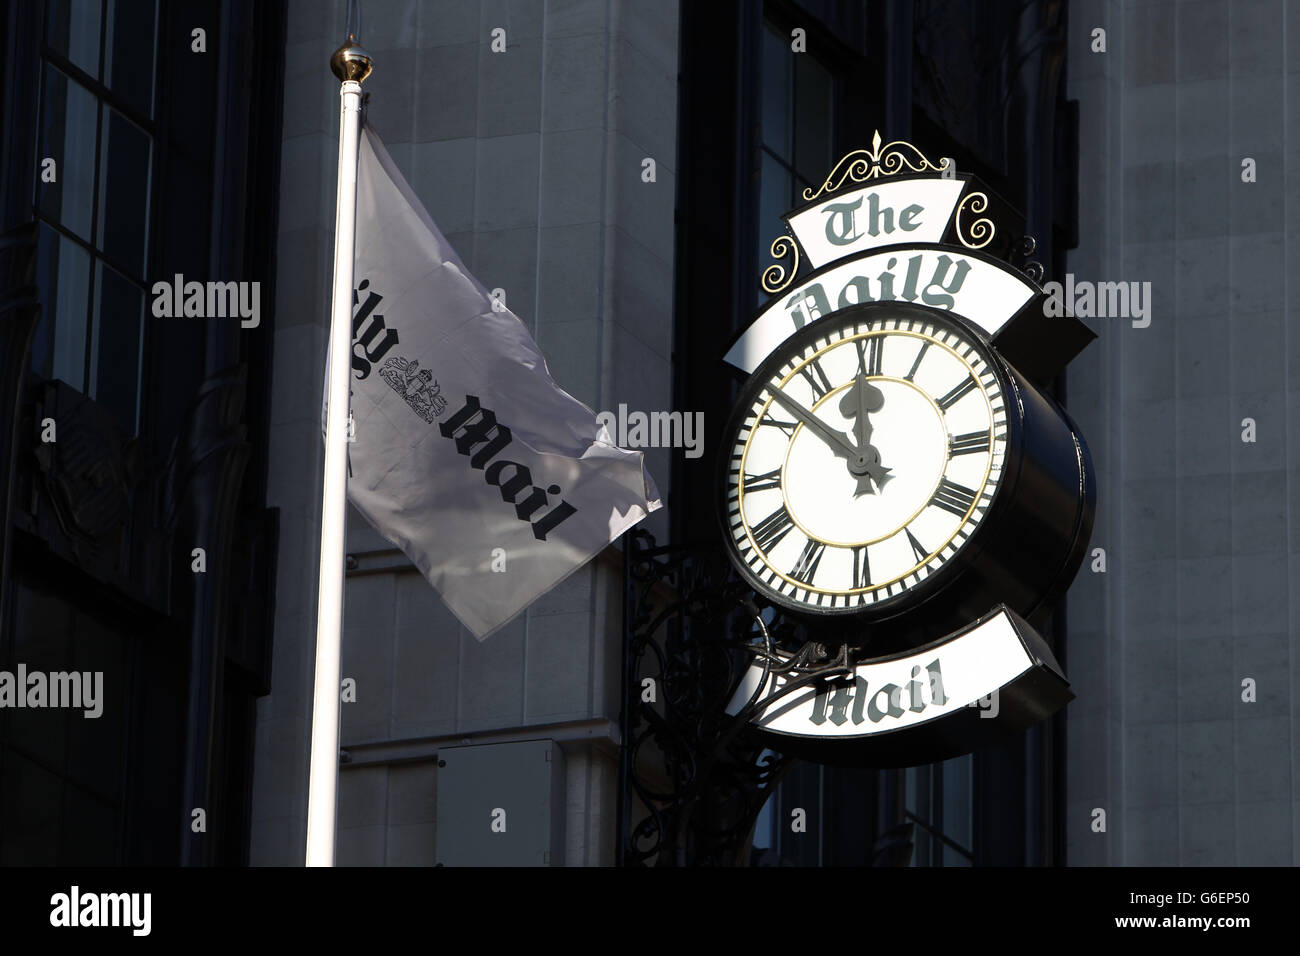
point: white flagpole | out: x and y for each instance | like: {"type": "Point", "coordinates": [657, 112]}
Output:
{"type": "Point", "coordinates": [351, 65]}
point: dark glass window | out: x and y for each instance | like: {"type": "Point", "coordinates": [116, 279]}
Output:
{"type": "Point", "coordinates": [116, 344]}
{"type": "Point", "coordinates": [797, 134]}
{"type": "Point", "coordinates": [123, 191]}
{"type": "Point", "coordinates": [938, 803]}
{"type": "Point", "coordinates": [63, 770]}
{"type": "Point", "coordinates": [812, 120]}
{"type": "Point", "coordinates": [129, 46]}
{"type": "Point", "coordinates": [63, 274]}
{"type": "Point", "coordinates": [68, 131]}
{"type": "Point", "coordinates": [97, 92]}
{"type": "Point", "coordinates": [72, 29]}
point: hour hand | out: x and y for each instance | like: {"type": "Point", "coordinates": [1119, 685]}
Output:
{"type": "Point", "coordinates": [857, 403]}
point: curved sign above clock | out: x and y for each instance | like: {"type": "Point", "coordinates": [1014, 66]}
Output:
{"type": "Point", "coordinates": [893, 476]}
{"type": "Point", "coordinates": [976, 287]}
{"type": "Point", "coordinates": [916, 211]}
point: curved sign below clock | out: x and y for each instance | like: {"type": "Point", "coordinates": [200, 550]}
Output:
{"type": "Point", "coordinates": [996, 676]}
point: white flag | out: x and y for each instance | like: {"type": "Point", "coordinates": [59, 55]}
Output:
{"type": "Point", "coordinates": [465, 454]}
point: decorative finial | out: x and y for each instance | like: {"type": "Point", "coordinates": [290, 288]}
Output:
{"type": "Point", "coordinates": [860, 166]}
{"type": "Point", "coordinates": [350, 61]}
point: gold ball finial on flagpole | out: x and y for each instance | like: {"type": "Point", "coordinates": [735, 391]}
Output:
{"type": "Point", "coordinates": [350, 61]}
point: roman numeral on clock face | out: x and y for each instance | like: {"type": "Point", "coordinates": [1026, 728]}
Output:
{"type": "Point", "coordinates": [953, 397]}
{"type": "Point", "coordinates": [787, 427]}
{"type": "Point", "coordinates": [870, 352]}
{"type": "Point", "coordinates": [811, 556]}
{"type": "Point", "coordinates": [861, 568]}
{"type": "Point", "coordinates": [968, 444]}
{"type": "Point", "coordinates": [763, 482]}
{"type": "Point", "coordinates": [953, 497]}
{"type": "Point", "coordinates": [920, 552]}
{"type": "Point", "coordinates": [768, 532]}
{"type": "Point", "coordinates": [816, 376]}
{"type": "Point", "coordinates": [917, 364]}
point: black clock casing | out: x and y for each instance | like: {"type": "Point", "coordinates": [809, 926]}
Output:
{"type": "Point", "coordinates": [1024, 551]}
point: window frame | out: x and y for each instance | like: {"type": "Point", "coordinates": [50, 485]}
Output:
{"type": "Point", "coordinates": [105, 98]}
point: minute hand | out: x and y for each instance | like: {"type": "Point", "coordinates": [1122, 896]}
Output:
{"type": "Point", "coordinates": [839, 442]}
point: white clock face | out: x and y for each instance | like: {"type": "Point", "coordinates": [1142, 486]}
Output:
{"type": "Point", "coordinates": [866, 460]}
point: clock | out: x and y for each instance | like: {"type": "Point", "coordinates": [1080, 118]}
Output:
{"type": "Point", "coordinates": [885, 464]}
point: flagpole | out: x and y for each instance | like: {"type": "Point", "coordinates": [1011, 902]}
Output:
{"type": "Point", "coordinates": [351, 64]}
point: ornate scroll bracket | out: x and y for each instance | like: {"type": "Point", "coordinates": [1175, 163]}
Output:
{"type": "Point", "coordinates": [776, 276]}
{"type": "Point", "coordinates": [979, 233]}
{"type": "Point", "coordinates": [1023, 248]}
{"type": "Point", "coordinates": [861, 165]}
{"type": "Point", "coordinates": [693, 781]}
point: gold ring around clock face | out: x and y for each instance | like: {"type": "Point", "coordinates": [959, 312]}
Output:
{"type": "Point", "coordinates": [866, 456]}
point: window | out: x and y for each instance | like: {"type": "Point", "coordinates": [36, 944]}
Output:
{"type": "Point", "coordinates": [63, 772]}
{"type": "Point", "coordinates": [797, 133]}
{"type": "Point", "coordinates": [938, 804]}
{"type": "Point", "coordinates": [96, 124]}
